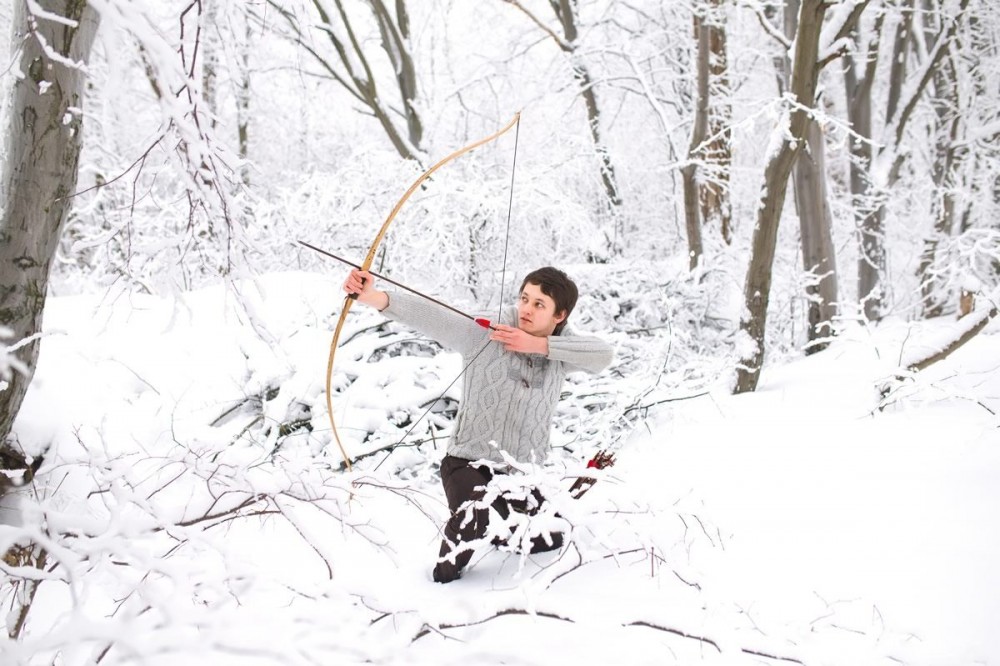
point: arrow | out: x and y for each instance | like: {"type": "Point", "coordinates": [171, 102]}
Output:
{"type": "Point", "coordinates": [485, 323]}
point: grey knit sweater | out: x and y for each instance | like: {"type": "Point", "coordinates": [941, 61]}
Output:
{"type": "Point", "coordinates": [507, 397]}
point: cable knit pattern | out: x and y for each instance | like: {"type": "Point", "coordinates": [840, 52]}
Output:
{"type": "Point", "coordinates": [507, 397]}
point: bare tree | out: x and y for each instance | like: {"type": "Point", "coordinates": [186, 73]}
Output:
{"type": "Point", "coordinates": [211, 44]}
{"type": "Point", "coordinates": [812, 201]}
{"type": "Point", "coordinates": [716, 208]}
{"type": "Point", "coordinates": [566, 14]}
{"type": "Point", "coordinates": [44, 137]}
{"type": "Point", "coordinates": [948, 124]}
{"type": "Point", "coordinates": [706, 174]}
{"type": "Point", "coordinates": [790, 137]}
{"type": "Point", "coordinates": [874, 172]}
{"type": "Point", "coordinates": [699, 130]}
{"type": "Point", "coordinates": [859, 77]}
{"type": "Point", "coordinates": [819, 258]}
{"type": "Point", "coordinates": [243, 100]}
{"type": "Point", "coordinates": [234, 28]}
{"type": "Point", "coordinates": [354, 68]}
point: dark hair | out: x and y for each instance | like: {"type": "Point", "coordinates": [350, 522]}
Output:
{"type": "Point", "coordinates": [556, 285]}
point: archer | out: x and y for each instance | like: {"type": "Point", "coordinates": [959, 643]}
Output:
{"type": "Point", "coordinates": [515, 376]}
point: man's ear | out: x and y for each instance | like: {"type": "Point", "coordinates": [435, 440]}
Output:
{"type": "Point", "coordinates": [561, 317]}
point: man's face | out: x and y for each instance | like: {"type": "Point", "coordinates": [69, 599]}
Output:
{"type": "Point", "coordinates": [536, 312]}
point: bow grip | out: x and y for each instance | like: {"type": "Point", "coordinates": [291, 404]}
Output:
{"type": "Point", "coordinates": [354, 296]}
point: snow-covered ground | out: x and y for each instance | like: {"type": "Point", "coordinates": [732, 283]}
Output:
{"type": "Point", "coordinates": [799, 523]}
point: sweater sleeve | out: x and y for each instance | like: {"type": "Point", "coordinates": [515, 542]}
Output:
{"type": "Point", "coordinates": [440, 324]}
{"type": "Point", "coordinates": [580, 352]}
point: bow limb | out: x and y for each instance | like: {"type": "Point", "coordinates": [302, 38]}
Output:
{"type": "Point", "coordinates": [366, 264]}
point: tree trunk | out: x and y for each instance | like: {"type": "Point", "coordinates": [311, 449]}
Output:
{"type": "Point", "coordinates": [888, 162]}
{"type": "Point", "coordinates": [692, 221]}
{"type": "Point", "coordinates": [363, 76]}
{"type": "Point", "coordinates": [716, 208]}
{"type": "Point", "coordinates": [565, 11]}
{"type": "Point", "coordinates": [871, 251]}
{"type": "Point", "coordinates": [395, 34]}
{"type": "Point", "coordinates": [858, 80]}
{"type": "Point", "coordinates": [706, 175]}
{"type": "Point", "coordinates": [757, 290]}
{"type": "Point", "coordinates": [243, 103]}
{"type": "Point", "coordinates": [594, 123]}
{"type": "Point", "coordinates": [699, 129]}
{"type": "Point", "coordinates": [900, 51]}
{"type": "Point", "coordinates": [211, 44]}
{"type": "Point", "coordinates": [815, 220]}
{"type": "Point", "coordinates": [815, 225]}
{"type": "Point", "coordinates": [40, 172]}
{"type": "Point", "coordinates": [947, 121]}
{"type": "Point", "coordinates": [353, 68]}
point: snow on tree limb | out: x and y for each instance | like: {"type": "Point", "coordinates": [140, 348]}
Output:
{"type": "Point", "coordinates": [950, 339]}
{"type": "Point", "coordinates": [887, 161]}
{"type": "Point", "coordinates": [836, 38]}
{"type": "Point", "coordinates": [40, 12]}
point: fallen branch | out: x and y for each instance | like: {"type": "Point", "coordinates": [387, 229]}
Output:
{"type": "Point", "coordinates": [964, 330]}
{"type": "Point", "coordinates": [973, 327]}
{"type": "Point", "coordinates": [553, 616]}
{"type": "Point", "coordinates": [427, 629]}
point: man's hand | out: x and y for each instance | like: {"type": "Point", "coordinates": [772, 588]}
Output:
{"type": "Point", "coordinates": [362, 284]}
{"type": "Point", "coordinates": [516, 340]}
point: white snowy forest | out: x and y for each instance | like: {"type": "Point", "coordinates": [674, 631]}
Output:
{"type": "Point", "coordinates": [783, 215]}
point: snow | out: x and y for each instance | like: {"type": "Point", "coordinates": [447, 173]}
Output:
{"type": "Point", "coordinates": [814, 520]}
{"type": "Point", "coordinates": [881, 521]}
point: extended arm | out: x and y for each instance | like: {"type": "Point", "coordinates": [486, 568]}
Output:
{"type": "Point", "coordinates": [435, 321]}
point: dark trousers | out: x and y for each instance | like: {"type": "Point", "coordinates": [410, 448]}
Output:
{"type": "Point", "coordinates": [464, 482]}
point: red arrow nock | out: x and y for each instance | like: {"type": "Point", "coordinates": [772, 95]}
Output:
{"type": "Point", "coordinates": [485, 323]}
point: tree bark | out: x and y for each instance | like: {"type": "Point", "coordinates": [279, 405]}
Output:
{"type": "Point", "coordinates": [352, 66]}
{"type": "Point", "coordinates": [40, 172]}
{"type": "Point", "coordinates": [395, 34]}
{"type": "Point", "coordinates": [705, 177]}
{"type": "Point", "coordinates": [815, 227]}
{"type": "Point", "coordinates": [757, 290]}
{"type": "Point", "coordinates": [716, 208]}
{"type": "Point", "coordinates": [210, 46]}
{"type": "Point", "coordinates": [815, 220]}
{"type": "Point", "coordinates": [565, 11]}
{"type": "Point", "coordinates": [871, 251]}
{"type": "Point", "coordinates": [594, 124]}
{"type": "Point", "coordinates": [963, 331]}
{"type": "Point", "coordinates": [699, 130]}
{"type": "Point", "coordinates": [858, 80]}
{"type": "Point", "coordinates": [900, 50]}
{"type": "Point", "coordinates": [887, 163]}
{"type": "Point", "coordinates": [692, 221]}
{"type": "Point", "coordinates": [243, 96]}
{"type": "Point", "coordinates": [947, 122]}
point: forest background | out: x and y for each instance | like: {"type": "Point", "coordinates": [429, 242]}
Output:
{"type": "Point", "coordinates": [734, 183]}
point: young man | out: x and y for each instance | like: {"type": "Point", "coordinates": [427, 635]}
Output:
{"type": "Point", "coordinates": [512, 383]}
